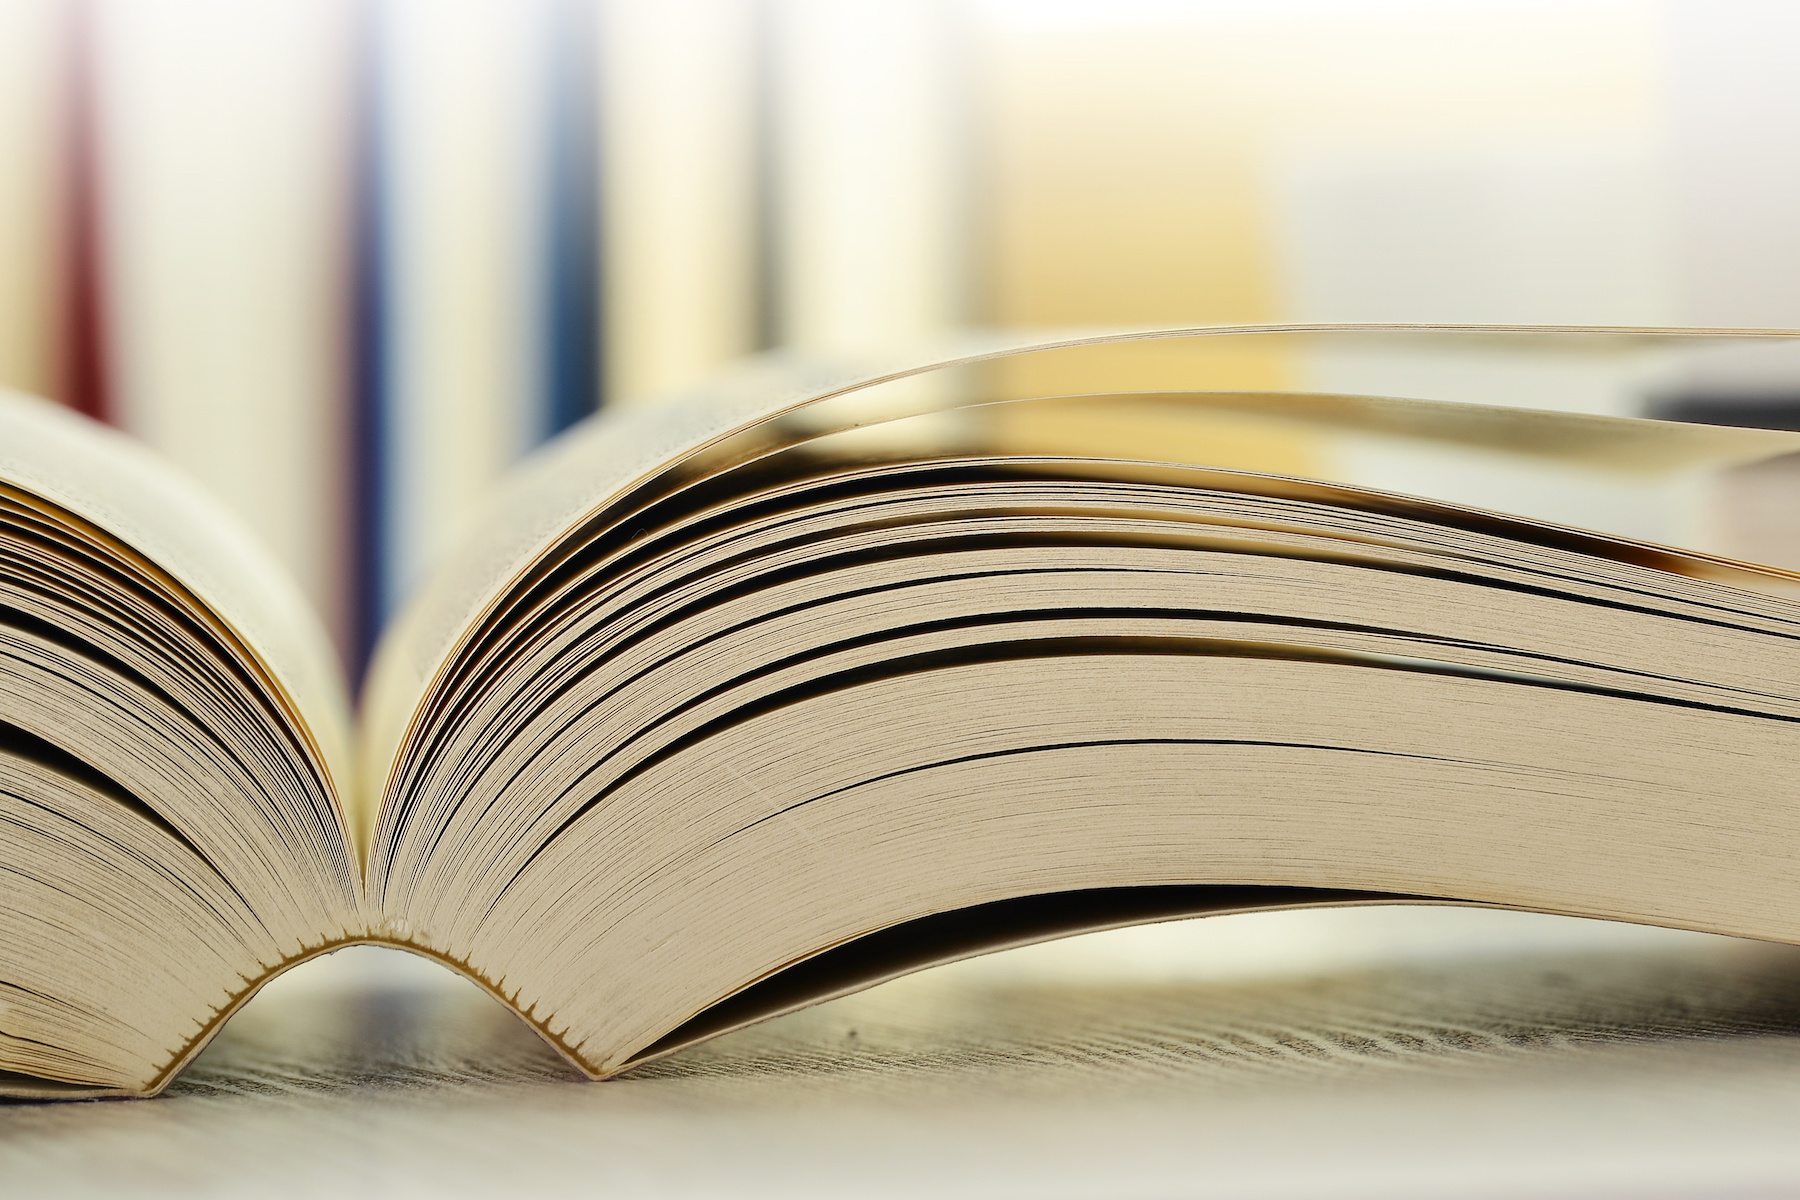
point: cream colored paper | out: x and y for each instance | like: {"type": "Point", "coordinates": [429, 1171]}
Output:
{"type": "Point", "coordinates": [131, 494]}
{"type": "Point", "coordinates": [597, 463]}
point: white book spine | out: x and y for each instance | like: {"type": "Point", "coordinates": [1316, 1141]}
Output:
{"type": "Point", "coordinates": [679, 122]}
{"type": "Point", "coordinates": [869, 181]}
{"type": "Point", "coordinates": [461, 103]}
{"type": "Point", "coordinates": [222, 153]}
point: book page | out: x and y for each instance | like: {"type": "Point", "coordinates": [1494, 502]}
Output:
{"type": "Point", "coordinates": [126, 491]}
{"type": "Point", "coordinates": [604, 460]}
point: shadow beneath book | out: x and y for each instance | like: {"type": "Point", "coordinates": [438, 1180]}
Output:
{"type": "Point", "coordinates": [1073, 1025]}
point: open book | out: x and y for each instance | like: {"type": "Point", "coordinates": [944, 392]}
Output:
{"type": "Point", "coordinates": [807, 682]}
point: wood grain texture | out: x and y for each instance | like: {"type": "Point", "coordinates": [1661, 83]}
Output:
{"type": "Point", "coordinates": [1642, 1066]}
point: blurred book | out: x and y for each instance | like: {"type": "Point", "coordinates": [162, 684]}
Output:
{"type": "Point", "coordinates": [868, 152]}
{"type": "Point", "coordinates": [222, 137]}
{"type": "Point", "coordinates": [457, 115]}
{"type": "Point", "coordinates": [683, 106]}
{"type": "Point", "coordinates": [35, 54]}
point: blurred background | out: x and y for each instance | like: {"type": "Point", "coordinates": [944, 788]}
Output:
{"type": "Point", "coordinates": [345, 260]}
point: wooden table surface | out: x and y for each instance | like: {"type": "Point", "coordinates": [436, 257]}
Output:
{"type": "Point", "coordinates": [1361, 1053]}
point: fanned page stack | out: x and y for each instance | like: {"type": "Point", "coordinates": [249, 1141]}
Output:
{"type": "Point", "coordinates": [810, 681]}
